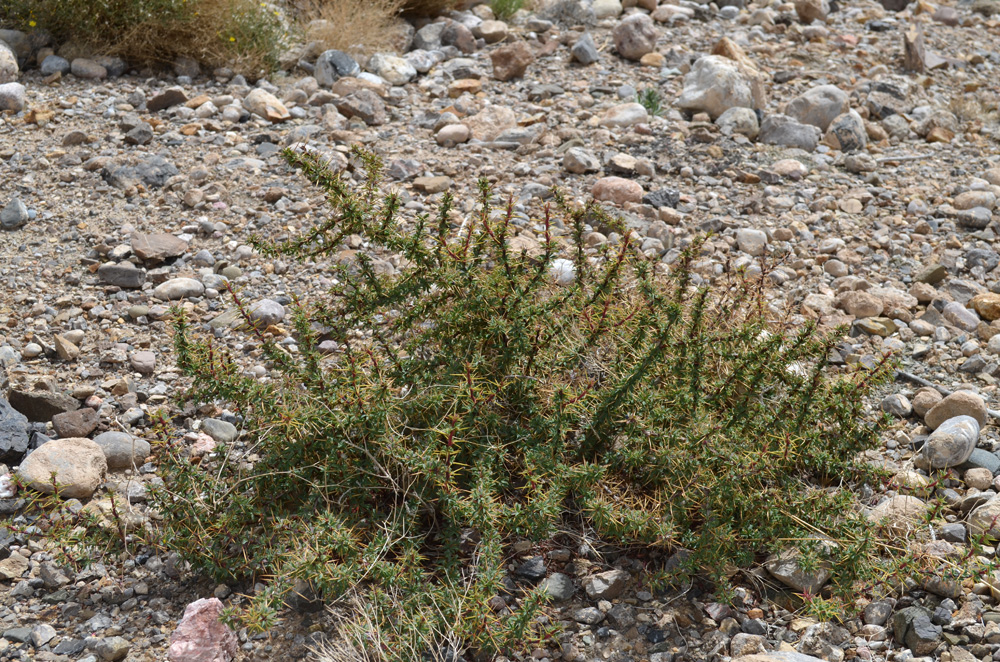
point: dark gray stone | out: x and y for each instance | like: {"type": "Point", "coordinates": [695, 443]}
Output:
{"type": "Point", "coordinates": [14, 215]}
{"type": "Point", "coordinates": [121, 274]}
{"type": "Point", "coordinates": [982, 257]}
{"type": "Point", "coordinates": [663, 197]}
{"type": "Point", "coordinates": [13, 433]}
{"type": "Point", "coordinates": [982, 459]}
{"type": "Point", "coordinates": [333, 64]}
{"type": "Point", "coordinates": [955, 532]}
{"type": "Point", "coordinates": [913, 628]}
{"type": "Point", "coordinates": [54, 64]}
{"type": "Point", "coordinates": [41, 406]}
{"type": "Point", "coordinates": [584, 50]}
{"type": "Point", "coordinates": [533, 569]}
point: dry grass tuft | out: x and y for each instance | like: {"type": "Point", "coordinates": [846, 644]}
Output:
{"type": "Point", "coordinates": [352, 26]}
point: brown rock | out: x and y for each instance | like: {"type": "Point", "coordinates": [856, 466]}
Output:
{"type": "Point", "coordinates": [987, 305]}
{"type": "Point", "coordinates": [811, 10]}
{"type": "Point", "coordinates": [67, 350]}
{"type": "Point", "coordinates": [264, 104]}
{"type": "Point", "coordinates": [79, 466]}
{"type": "Point", "coordinates": [432, 184]}
{"type": "Point", "coordinates": [913, 50]}
{"type": "Point", "coordinates": [511, 61]}
{"type": "Point", "coordinates": [860, 304]}
{"type": "Point", "coordinates": [904, 513]}
{"type": "Point", "coordinates": [959, 403]}
{"type": "Point", "coordinates": [617, 190]}
{"type": "Point", "coordinates": [939, 134]}
{"type": "Point", "coordinates": [79, 423]}
{"type": "Point", "coordinates": [202, 636]}
{"type": "Point", "coordinates": [157, 247]}
{"type": "Point", "coordinates": [172, 96]}
{"type": "Point", "coordinates": [924, 400]}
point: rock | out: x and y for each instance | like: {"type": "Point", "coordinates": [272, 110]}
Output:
{"type": "Point", "coordinates": [220, 430]}
{"type": "Point", "coordinates": [533, 569]}
{"type": "Point", "coordinates": [812, 10]}
{"type": "Point", "coordinates": [42, 634]}
{"type": "Point", "coordinates": [13, 432]}
{"type": "Point", "coordinates": [961, 316]}
{"type": "Point", "coordinates": [877, 612]}
{"type": "Point", "coordinates": [889, 96]}
{"type": "Point", "coordinates": [579, 161]}
{"type": "Point", "coordinates": [82, 67]}
{"type": "Point", "coordinates": [143, 362]}
{"type": "Point", "coordinates": [14, 215]}
{"type": "Point", "coordinates": [111, 649]}
{"type": "Point", "coordinates": [987, 305]}
{"type": "Point", "coordinates": [266, 312]}
{"type": "Point", "coordinates": [847, 132]}
{"type": "Point", "coordinates": [41, 406]}
{"type": "Point", "coordinates": [714, 85]}
{"type": "Point", "coordinates": [79, 423]}
{"type": "Point", "coordinates": [751, 241]}
{"type": "Point", "coordinates": [264, 104]}
{"type": "Point", "coordinates": [79, 466]}
{"type": "Point", "coordinates": [333, 64]}
{"type": "Point", "coordinates": [860, 304]}
{"type": "Point", "coordinates": [8, 64]}
{"type": "Point", "coordinates": [616, 190]}
{"type": "Point", "coordinates": [365, 105]}
{"type": "Point", "coordinates": [13, 567]}
{"type": "Point", "coordinates": [452, 135]}
{"type": "Point", "coordinates": [623, 115]}
{"type": "Point", "coordinates": [12, 97]}
{"type": "Point", "coordinates": [122, 450]}
{"type": "Point", "coordinates": [739, 120]}
{"type": "Point", "coordinates": [178, 288]}
{"type": "Point", "coordinates": [980, 478]}
{"type": "Point", "coordinates": [606, 585]}
{"type": "Point", "coordinates": [588, 616]}
{"type": "Point", "coordinates": [122, 274]}
{"type": "Point", "coordinates": [584, 50]}
{"type": "Point", "coordinates": [895, 5]}
{"type": "Point", "coordinates": [634, 36]}
{"type": "Point", "coordinates": [959, 403]}
{"type": "Point", "coordinates": [914, 58]}
{"type": "Point", "coordinates": [785, 568]}
{"type": "Point", "coordinates": [157, 247]}
{"type": "Point", "coordinates": [511, 61]}
{"type": "Point", "coordinates": [492, 32]}
{"type": "Point", "coordinates": [53, 64]}
{"type": "Point", "coordinates": [785, 131]}
{"type": "Point", "coordinates": [432, 185]}
{"type": "Point", "coordinates": [818, 106]}
{"type": "Point", "coordinates": [985, 520]}
{"type": "Point", "coordinates": [395, 70]}
{"type": "Point", "coordinates": [896, 404]}
{"type": "Point", "coordinates": [490, 122]}
{"type": "Point", "coordinates": [172, 96]}
{"type": "Point", "coordinates": [154, 171]}
{"type": "Point", "coordinates": [951, 443]}
{"type": "Point", "coordinates": [913, 628]}
{"type": "Point", "coordinates": [606, 9]}
{"type": "Point", "coordinates": [202, 636]}
{"type": "Point", "coordinates": [903, 513]}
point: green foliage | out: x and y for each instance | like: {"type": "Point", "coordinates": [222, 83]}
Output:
{"type": "Point", "coordinates": [650, 99]}
{"type": "Point", "coordinates": [244, 34]}
{"type": "Point", "coordinates": [472, 402]}
{"type": "Point", "coordinates": [504, 9]}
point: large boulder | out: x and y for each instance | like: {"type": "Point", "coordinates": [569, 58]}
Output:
{"type": "Point", "coordinates": [79, 466]}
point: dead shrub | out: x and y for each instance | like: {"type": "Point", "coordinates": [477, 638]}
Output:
{"type": "Point", "coordinates": [352, 26]}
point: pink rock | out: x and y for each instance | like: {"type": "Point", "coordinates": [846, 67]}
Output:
{"type": "Point", "coordinates": [617, 190]}
{"type": "Point", "coordinates": [201, 636]}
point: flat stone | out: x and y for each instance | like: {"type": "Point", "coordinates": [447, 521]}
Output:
{"type": "Point", "coordinates": [41, 406]}
{"type": "Point", "coordinates": [178, 288]}
{"type": "Point", "coordinates": [79, 423]}
{"type": "Point", "coordinates": [157, 247]}
{"type": "Point", "coordinates": [606, 585]}
{"type": "Point", "coordinates": [121, 274]}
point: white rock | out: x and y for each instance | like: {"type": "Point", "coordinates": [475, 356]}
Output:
{"type": "Point", "coordinates": [393, 69]}
{"type": "Point", "coordinates": [751, 241]}
{"type": "Point", "coordinates": [714, 85]}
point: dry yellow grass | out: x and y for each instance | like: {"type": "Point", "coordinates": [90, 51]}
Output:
{"type": "Point", "coordinates": [352, 26]}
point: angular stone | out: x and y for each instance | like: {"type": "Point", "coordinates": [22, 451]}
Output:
{"type": "Point", "coordinates": [77, 423]}
{"type": "Point", "coordinates": [157, 247]}
{"type": "Point", "coordinates": [913, 50]}
{"type": "Point", "coordinates": [262, 103]}
{"type": "Point", "coordinates": [14, 215]}
{"type": "Point", "coordinates": [202, 636]}
{"type": "Point", "coordinates": [902, 512]}
{"type": "Point", "coordinates": [332, 65]}
{"type": "Point", "coordinates": [511, 61]}
{"type": "Point", "coordinates": [606, 585]}
{"type": "Point", "coordinates": [785, 131]}
{"type": "Point", "coordinates": [818, 106]}
{"type": "Point", "coordinates": [41, 406]}
{"type": "Point", "coordinates": [79, 466]}
{"type": "Point", "coordinates": [13, 567]}
{"type": "Point", "coordinates": [714, 85]}
{"type": "Point", "coordinates": [172, 96]}
{"type": "Point", "coordinates": [785, 568]}
{"type": "Point", "coordinates": [365, 105]}
{"type": "Point", "coordinates": [912, 627]}
{"type": "Point", "coordinates": [584, 50]}
{"type": "Point", "coordinates": [391, 68]}
{"type": "Point", "coordinates": [490, 122]}
{"type": "Point", "coordinates": [121, 274]}
{"type": "Point", "coordinates": [13, 433]}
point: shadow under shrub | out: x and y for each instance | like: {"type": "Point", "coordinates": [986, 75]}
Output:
{"type": "Point", "coordinates": [471, 401]}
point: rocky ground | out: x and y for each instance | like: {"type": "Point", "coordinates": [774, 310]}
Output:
{"type": "Point", "coordinates": [853, 147]}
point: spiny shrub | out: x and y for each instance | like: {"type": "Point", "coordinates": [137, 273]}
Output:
{"type": "Point", "coordinates": [485, 394]}
{"type": "Point", "coordinates": [246, 35]}
{"type": "Point", "coordinates": [504, 9]}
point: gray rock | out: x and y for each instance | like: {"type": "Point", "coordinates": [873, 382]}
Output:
{"type": "Point", "coordinates": [114, 66]}
{"type": "Point", "coordinates": [122, 450]}
{"type": "Point", "coordinates": [896, 404]}
{"type": "Point", "coordinates": [364, 104]}
{"type": "Point", "coordinates": [877, 612]}
{"type": "Point", "coordinates": [584, 50]}
{"type": "Point", "coordinates": [739, 120]}
{"type": "Point", "coordinates": [428, 38]}
{"type": "Point", "coordinates": [158, 246]}
{"type": "Point", "coordinates": [913, 628]}
{"type": "Point", "coordinates": [13, 433]}
{"type": "Point", "coordinates": [395, 70]}
{"type": "Point", "coordinates": [588, 616]}
{"type": "Point", "coordinates": [111, 649]}
{"type": "Point", "coordinates": [82, 67]}
{"type": "Point", "coordinates": [579, 161]}
{"type": "Point", "coordinates": [533, 569]}
{"type": "Point", "coordinates": [333, 64]}
{"type": "Point", "coordinates": [14, 215]}
{"type": "Point", "coordinates": [714, 85]}
{"type": "Point", "coordinates": [121, 274]}
{"type": "Point", "coordinates": [42, 634]}
{"type": "Point", "coordinates": [559, 587]}
{"type": "Point", "coordinates": [635, 36]}
{"type": "Point", "coordinates": [982, 459]}
{"type": "Point", "coordinates": [785, 568]}
{"type": "Point", "coordinates": [8, 64]}
{"type": "Point", "coordinates": [143, 362]}
{"type": "Point", "coordinates": [818, 106]}
{"type": "Point", "coordinates": [961, 316]}
{"type": "Point", "coordinates": [154, 172]}
{"type": "Point", "coordinates": [12, 97]}
{"type": "Point", "coordinates": [221, 431]}
{"type": "Point", "coordinates": [785, 131]}
{"type": "Point", "coordinates": [54, 64]}
{"type": "Point", "coordinates": [41, 406]}
{"type": "Point", "coordinates": [266, 312]}
{"type": "Point", "coordinates": [889, 96]}
{"type": "Point", "coordinates": [178, 288]}
{"type": "Point", "coordinates": [140, 135]}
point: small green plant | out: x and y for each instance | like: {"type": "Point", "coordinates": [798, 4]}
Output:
{"type": "Point", "coordinates": [504, 9]}
{"type": "Point", "coordinates": [474, 399]}
{"type": "Point", "coordinates": [651, 100]}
